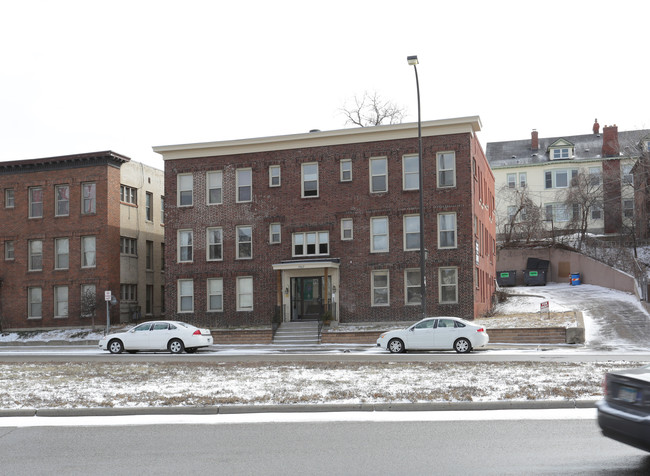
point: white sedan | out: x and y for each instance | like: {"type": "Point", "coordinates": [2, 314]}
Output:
{"type": "Point", "coordinates": [435, 333]}
{"type": "Point", "coordinates": [173, 336]}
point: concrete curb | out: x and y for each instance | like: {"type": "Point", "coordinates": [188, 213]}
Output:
{"type": "Point", "coordinates": [302, 408]}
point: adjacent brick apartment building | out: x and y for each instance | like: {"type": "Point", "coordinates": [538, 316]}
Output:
{"type": "Point", "coordinates": [304, 224]}
{"type": "Point", "coordinates": [61, 222]}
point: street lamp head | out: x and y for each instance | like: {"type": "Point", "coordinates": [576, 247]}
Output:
{"type": "Point", "coordinates": [413, 60]}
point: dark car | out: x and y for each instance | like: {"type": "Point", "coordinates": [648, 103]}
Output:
{"type": "Point", "coordinates": [624, 413]}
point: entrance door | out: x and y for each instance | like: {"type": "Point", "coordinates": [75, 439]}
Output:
{"type": "Point", "coordinates": [306, 298]}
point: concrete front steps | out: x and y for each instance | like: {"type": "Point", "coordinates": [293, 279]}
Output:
{"type": "Point", "coordinates": [297, 333]}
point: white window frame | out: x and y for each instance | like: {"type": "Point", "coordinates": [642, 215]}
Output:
{"type": "Point", "coordinates": [275, 177]}
{"type": "Point", "coordinates": [88, 203]}
{"type": "Point", "coordinates": [408, 286]}
{"type": "Point", "coordinates": [185, 291]}
{"type": "Point", "coordinates": [87, 253]}
{"type": "Point", "coordinates": [275, 233]}
{"type": "Point", "coordinates": [10, 201]}
{"type": "Point", "coordinates": [35, 207]}
{"type": "Point", "coordinates": [382, 173]}
{"type": "Point", "coordinates": [61, 302]}
{"type": "Point", "coordinates": [243, 181]}
{"type": "Point", "coordinates": [374, 302]}
{"type": "Point", "coordinates": [627, 177]}
{"type": "Point", "coordinates": [345, 166]}
{"type": "Point", "coordinates": [214, 287]}
{"type": "Point", "coordinates": [58, 201]}
{"type": "Point", "coordinates": [128, 194]}
{"type": "Point", "coordinates": [189, 244]}
{"type": "Point", "coordinates": [441, 285]}
{"type": "Point", "coordinates": [560, 212]}
{"type": "Point", "coordinates": [628, 211]}
{"type": "Point", "coordinates": [185, 188]}
{"type": "Point", "coordinates": [442, 230]}
{"type": "Point", "coordinates": [511, 180]}
{"type": "Point", "coordinates": [10, 252]}
{"type": "Point", "coordinates": [411, 220]}
{"type": "Point", "coordinates": [376, 234]}
{"type": "Point", "coordinates": [596, 211]}
{"type": "Point", "coordinates": [440, 156]}
{"type": "Point", "coordinates": [214, 182]}
{"type": "Point", "coordinates": [33, 253]}
{"type": "Point", "coordinates": [559, 153]}
{"type": "Point", "coordinates": [245, 293]}
{"type": "Point", "coordinates": [347, 228]}
{"type": "Point", "coordinates": [212, 244]}
{"type": "Point", "coordinates": [241, 242]}
{"type": "Point", "coordinates": [58, 255]}
{"type": "Point", "coordinates": [410, 174]}
{"type": "Point", "coordinates": [303, 179]}
{"type": "Point", "coordinates": [34, 299]}
{"type": "Point", "coordinates": [595, 175]}
{"type": "Point", "coordinates": [523, 180]}
{"type": "Point", "coordinates": [317, 239]}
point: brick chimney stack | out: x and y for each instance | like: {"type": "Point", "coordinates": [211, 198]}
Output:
{"type": "Point", "coordinates": [596, 127]}
{"type": "Point", "coordinates": [534, 140]}
{"type": "Point", "coordinates": [610, 141]}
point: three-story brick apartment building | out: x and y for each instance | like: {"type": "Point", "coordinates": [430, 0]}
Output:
{"type": "Point", "coordinates": [329, 222]}
{"type": "Point", "coordinates": [61, 223]}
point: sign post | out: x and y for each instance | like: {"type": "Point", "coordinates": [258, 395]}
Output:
{"type": "Point", "coordinates": [107, 298]}
{"type": "Point", "coordinates": [543, 306]}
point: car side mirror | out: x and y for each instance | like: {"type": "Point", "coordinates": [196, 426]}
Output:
{"type": "Point", "coordinates": [412, 329]}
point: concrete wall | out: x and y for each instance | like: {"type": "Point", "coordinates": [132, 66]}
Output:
{"type": "Point", "coordinates": [564, 263]}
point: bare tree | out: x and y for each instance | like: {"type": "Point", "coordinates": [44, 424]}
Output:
{"type": "Point", "coordinates": [581, 198]}
{"type": "Point", "coordinates": [524, 219]}
{"type": "Point", "coordinates": [371, 110]}
{"type": "Point", "coordinates": [89, 304]}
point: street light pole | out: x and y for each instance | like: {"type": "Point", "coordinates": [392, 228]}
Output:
{"type": "Point", "coordinates": [413, 61]}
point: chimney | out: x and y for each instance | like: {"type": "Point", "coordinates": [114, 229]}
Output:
{"type": "Point", "coordinates": [610, 141]}
{"type": "Point", "coordinates": [534, 141]}
{"type": "Point", "coordinates": [596, 126]}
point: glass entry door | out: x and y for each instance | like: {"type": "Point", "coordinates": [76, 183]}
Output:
{"type": "Point", "coordinates": [306, 298]}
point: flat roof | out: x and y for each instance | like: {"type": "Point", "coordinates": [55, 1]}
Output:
{"type": "Point", "coordinates": [469, 124]}
{"type": "Point", "coordinates": [62, 160]}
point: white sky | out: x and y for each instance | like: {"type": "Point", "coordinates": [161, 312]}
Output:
{"type": "Point", "coordinates": [84, 76]}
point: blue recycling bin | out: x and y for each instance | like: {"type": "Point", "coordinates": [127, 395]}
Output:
{"type": "Point", "coordinates": [575, 279]}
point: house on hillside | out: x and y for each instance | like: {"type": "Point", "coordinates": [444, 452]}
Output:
{"type": "Point", "coordinates": [73, 227]}
{"type": "Point", "coordinates": [299, 225]}
{"type": "Point", "coordinates": [570, 183]}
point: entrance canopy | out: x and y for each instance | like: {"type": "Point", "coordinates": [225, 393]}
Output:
{"type": "Point", "coordinates": [332, 263]}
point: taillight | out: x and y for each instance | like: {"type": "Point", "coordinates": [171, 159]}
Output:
{"type": "Point", "coordinates": [480, 330]}
{"type": "Point", "coordinates": [197, 332]}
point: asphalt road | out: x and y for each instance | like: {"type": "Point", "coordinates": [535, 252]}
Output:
{"type": "Point", "coordinates": [501, 447]}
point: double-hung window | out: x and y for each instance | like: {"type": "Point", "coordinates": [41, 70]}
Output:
{"type": "Point", "coordinates": [346, 170]}
{"type": "Point", "coordinates": [185, 246]}
{"type": "Point", "coordinates": [62, 193]}
{"type": "Point", "coordinates": [411, 232]}
{"type": "Point", "coordinates": [214, 182]}
{"type": "Point", "coordinates": [446, 165]}
{"type": "Point", "coordinates": [447, 230]}
{"type": "Point", "coordinates": [215, 244]}
{"type": "Point", "coordinates": [380, 288]}
{"type": "Point", "coordinates": [244, 179]}
{"type": "Point", "coordinates": [512, 180]}
{"type": "Point", "coordinates": [628, 208]}
{"type": "Point", "coordinates": [346, 229]}
{"type": "Point", "coordinates": [35, 202]}
{"type": "Point", "coordinates": [413, 285]}
{"type": "Point", "coordinates": [559, 178]}
{"type": "Point", "coordinates": [88, 198]}
{"type": "Point", "coordinates": [9, 198]}
{"type": "Point", "coordinates": [185, 190]}
{"type": "Point", "coordinates": [448, 285]}
{"type": "Point", "coordinates": [9, 250]}
{"type": "Point", "coordinates": [313, 243]}
{"type": "Point", "coordinates": [378, 174]}
{"type": "Point", "coordinates": [245, 293]}
{"type": "Point", "coordinates": [411, 172]}
{"type": "Point", "coordinates": [626, 173]}
{"type": "Point", "coordinates": [244, 242]}
{"type": "Point", "coordinates": [185, 295]}
{"type": "Point", "coordinates": [274, 176]}
{"type": "Point", "coordinates": [60, 301]}
{"type": "Point", "coordinates": [275, 233]}
{"type": "Point", "coordinates": [379, 235]}
{"type": "Point", "coordinates": [149, 255]}
{"type": "Point", "coordinates": [309, 180]}
{"type": "Point", "coordinates": [62, 253]}
{"type": "Point", "coordinates": [35, 258]}
{"type": "Point", "coordinates": [149, 206]}
{"type": "Point", "coordinates": [88, 255]}
{"type": "Point", "coordinates": [215, 294]}
{"type": "Point", "coordinates": [34, 303]}
{"type": "Point", "coordinates": [523, 180]}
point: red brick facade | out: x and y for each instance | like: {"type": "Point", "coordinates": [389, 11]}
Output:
{"type": "Point", "coordinates": [349, 262]}
{"type": "Point", "coordinates": [18, 229]}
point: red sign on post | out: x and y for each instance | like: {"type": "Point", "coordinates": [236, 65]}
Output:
{"type": "Point", "coordinates": [543, 306]}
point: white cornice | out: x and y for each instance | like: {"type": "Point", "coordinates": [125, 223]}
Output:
{"type": "Point", "coordinates": [470, 124]}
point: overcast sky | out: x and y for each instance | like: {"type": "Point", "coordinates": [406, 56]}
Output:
{"type": "Point", "coordinates": [85, 76]}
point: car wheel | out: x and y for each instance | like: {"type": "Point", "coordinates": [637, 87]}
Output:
{"type": "Point", "coordinates": [396, 346]}
{"type": "Point", "coordinates": [191, 350]}
{"type": "Point", "coordinates": [175, 346]}
{"type": "Point", "coordinates": [462, 346]}
{"type": "Point", "coordinates": [115, 346]}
